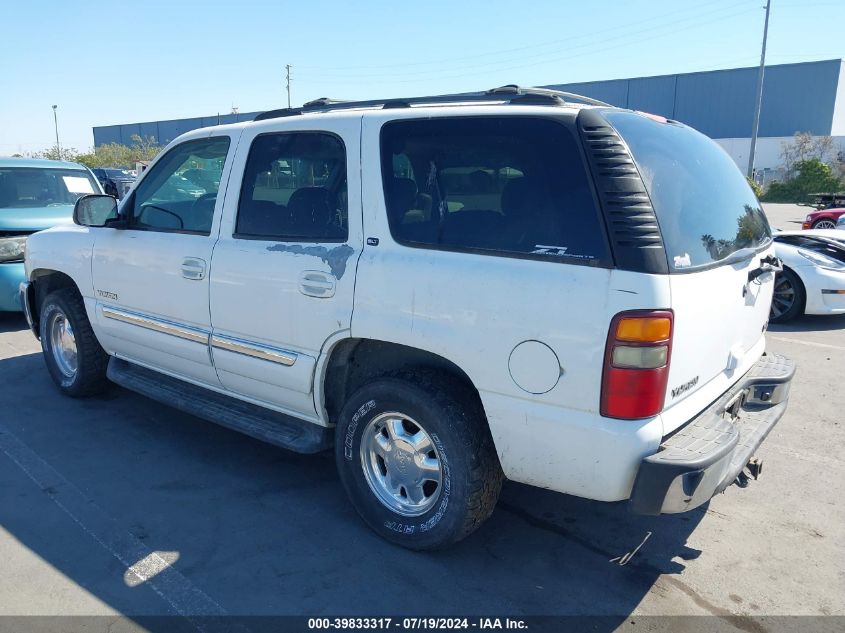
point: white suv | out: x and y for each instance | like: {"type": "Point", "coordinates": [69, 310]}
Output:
{"type": "Point", "coordinates": [519, 284]}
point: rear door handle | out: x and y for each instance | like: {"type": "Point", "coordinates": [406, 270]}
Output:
{"type": "Point", "coordinates": [193, 268]}
{"type": "Point", "coordinates": [314, 283]}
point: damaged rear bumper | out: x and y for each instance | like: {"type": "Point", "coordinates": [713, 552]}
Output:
{"type": "Point", "coordinates": [712, 451]}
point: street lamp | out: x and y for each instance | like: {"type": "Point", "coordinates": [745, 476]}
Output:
{"type": "Point", "coordinates": [56, 123]}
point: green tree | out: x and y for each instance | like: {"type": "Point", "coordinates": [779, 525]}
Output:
{"type": "Point", "coordinates": [814, 176]}
{"type": "Point", "coordinates": [56, 153]}
{"type": "Point", "coordinates": [121, 156]}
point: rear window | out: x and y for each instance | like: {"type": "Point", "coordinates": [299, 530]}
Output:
{"type": "Point", "coordinates": [495, 185]}
{"type": "Point", "coordinates": [704, 206]}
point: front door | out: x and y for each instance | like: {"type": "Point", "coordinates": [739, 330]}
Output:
{"type": "Point", "coordinates": [151, 279]}
{"type": "Point", "coordinates": [283, 272]}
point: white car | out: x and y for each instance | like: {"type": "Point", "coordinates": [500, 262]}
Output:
{"type": "Point", "coordinates": [449, 291]}
{"type": "Point", "coordinates": [840, 223]}
{"type": "Point", "coordinates": [813, 277]}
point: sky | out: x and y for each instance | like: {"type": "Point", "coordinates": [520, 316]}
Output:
{"type": "Point", "coordinates": [105, 63]}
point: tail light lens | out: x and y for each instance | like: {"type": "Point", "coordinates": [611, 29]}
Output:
{"type": "Point", "coordinates": [636, 364]}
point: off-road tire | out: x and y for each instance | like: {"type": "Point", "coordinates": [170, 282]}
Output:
{"type": "Point", "coordinates": [451, 414]}
{"type": "Point", "coordinates": [90, 377]}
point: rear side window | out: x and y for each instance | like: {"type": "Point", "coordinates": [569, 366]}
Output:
{"type": "Point", "coordinates": [294, 189]}
{"type": "Point", "coordinates": [509, 185]}
{"type": "Point", "coordinates": [704, 206]}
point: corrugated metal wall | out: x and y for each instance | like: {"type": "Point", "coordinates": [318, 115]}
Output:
{"type": "Point", "coordinates": [162, 131]}
{"type": "Point", "coordinates": [720, 103]}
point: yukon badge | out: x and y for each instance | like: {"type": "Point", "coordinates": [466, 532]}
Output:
{"type": "Point", "coordinates": [677, 391]}
{"type": "Point", "coordinates": [107, 295]}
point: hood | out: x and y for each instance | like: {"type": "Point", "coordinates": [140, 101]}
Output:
{"type": "Point", "coordinates": [34, 218]}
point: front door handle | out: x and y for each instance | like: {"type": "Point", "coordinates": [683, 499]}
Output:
{"type": "Point", "coordinates": [193, 268]}
{"type": "Point", "coordinates": [314, 283]}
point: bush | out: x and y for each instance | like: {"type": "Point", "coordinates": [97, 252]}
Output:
{"type": "Point", "coordinates": [814, 176]}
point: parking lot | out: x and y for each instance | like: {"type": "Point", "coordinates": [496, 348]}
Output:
{"type": "Point", "coordinates": [119, 505]}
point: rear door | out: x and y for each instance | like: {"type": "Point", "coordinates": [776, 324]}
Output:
{"type": "Point", "coordinates": [715, 233]}
{"type": "Point", "coordinates": [283, 271]}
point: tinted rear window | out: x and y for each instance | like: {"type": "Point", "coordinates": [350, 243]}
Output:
{"type": "Point", "coordinates": [705, 208]}
{"type": "Point", "coordinates": [498, 185]}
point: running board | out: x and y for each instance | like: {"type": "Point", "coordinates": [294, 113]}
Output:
{"type": "Point", "coordinates": [263, 424]}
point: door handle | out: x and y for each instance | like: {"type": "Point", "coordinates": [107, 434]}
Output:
{"type": "Point", "coordinates": [314, 283]}
{"type": "Point", "coordinates": [193, 268]}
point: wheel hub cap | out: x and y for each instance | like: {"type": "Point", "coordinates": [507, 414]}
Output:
{"type": "Point", "coordinates": [401, 464]}
{"type": "Point", "coordinates": [63, 344]}
{"type": "Point", "coordinates": [783, 297]}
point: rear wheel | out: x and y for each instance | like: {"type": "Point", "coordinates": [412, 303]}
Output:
{"type": "Point", "coordinates": [788, 297]}
{"type": "Point", "coordinates": [824, 224]}
{"type": "Point", "coordinates": [416, 458]}
{"type": "Point", "coordinates": [73, 355]}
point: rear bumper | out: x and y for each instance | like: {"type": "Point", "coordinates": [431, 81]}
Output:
{"type": "Point", "coordinates": [710, 452]}
{"type": "Point", "coordinates": [11, 276]}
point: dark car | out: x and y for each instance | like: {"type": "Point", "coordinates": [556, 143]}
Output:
{"type": "Point", "coordinates": [115, 182]}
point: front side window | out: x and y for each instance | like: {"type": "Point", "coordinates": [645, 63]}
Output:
{"type": "Point", "coordinates": [511, 185]}
{"type": "Point", "coordinates": [180, 192]}
{"type": "Point", "coordinates": [34, 187]}
{"type": "Point", "coordinates": [294, 189]}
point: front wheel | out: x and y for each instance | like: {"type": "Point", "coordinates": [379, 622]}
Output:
{"type": "Point", "coordinates": [74, 358]}
{"type": "Point", "coordinates": [416, 458]}
{"type": "Point", "coordinates": [824, 224]}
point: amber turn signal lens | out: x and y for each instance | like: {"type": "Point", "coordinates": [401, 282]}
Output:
{"type": "Point", "coordinates": [644, 329]}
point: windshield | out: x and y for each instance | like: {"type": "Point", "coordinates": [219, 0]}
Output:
{"type": "Point", "coordinates": [704, 206]}
{"type": "Point", "coordinates": [31, 187]}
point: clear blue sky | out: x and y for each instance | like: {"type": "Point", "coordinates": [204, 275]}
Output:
{"type": "Point", "coordinates": [144, 60]}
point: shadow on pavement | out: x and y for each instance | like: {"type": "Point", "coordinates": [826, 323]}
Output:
{"type": "Point", "coordinates": [12, 321]}
{"type": "Point", "coordinates": [811, 323]}
{"type": "Point", "coordinates": [264, 531]}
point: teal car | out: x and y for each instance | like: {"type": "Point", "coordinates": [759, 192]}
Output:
{"type": "Point", "coordinates": [34, 195]}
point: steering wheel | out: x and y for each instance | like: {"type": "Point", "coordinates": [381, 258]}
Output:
{"type": "Point", "coordinates": [203, 198]}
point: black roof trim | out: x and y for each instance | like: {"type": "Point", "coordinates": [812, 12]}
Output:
{"type": "Point", "coordinates": [511, 94]}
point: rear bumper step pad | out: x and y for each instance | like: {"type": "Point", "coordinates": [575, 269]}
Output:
{"type": "Point", "coordinates": [710, 452]}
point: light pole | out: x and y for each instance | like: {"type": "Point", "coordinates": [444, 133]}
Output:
{"type": "Point", "coordinates": [56, 124]}
{"type": "Point", "coordinates": [758, 97]}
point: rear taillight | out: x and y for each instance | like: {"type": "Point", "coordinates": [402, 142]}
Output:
{"type": "Point", "coordinates": [636, 364]}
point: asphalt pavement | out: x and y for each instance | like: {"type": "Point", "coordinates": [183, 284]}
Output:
{"type": "Point", "coordinates": [117, 505]}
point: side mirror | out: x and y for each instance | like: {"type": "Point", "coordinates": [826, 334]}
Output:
{"type": "Point", "coordinates": [96, 210]}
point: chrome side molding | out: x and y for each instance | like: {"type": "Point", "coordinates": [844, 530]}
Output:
{"type": "Point", "coordinates": [204, 337]}
{"type": "Point", "coordinates": [157, 325]}
{"type": "Point", "coordinates": [263, 352]}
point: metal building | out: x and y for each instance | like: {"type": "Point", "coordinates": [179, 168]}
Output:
{"type": "Point", "coordinates": [804, 97]}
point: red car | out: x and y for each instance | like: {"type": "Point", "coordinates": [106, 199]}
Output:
{"type": "Point", "coordinates": [824, 219]}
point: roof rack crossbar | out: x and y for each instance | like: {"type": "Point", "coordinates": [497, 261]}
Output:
{"type": "Point", "coordinates": [509, 94]}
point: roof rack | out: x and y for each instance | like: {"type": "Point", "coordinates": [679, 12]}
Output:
{"type": "Point", "coordinates": [511, 94]}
